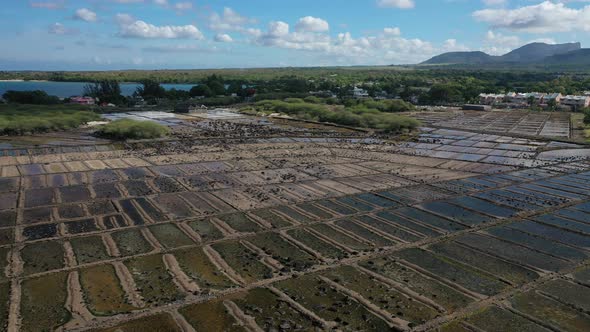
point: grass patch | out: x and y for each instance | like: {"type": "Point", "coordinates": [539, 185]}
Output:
{"type": "Point", "coordinates": [358, 115]}
{"type": "Point", "coordinates": [132, 129]}
{"type": "Point", "coordinates": [28, 119]}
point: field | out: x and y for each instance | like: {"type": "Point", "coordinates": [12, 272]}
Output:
{"type": "Point", "coordinates": [250, 223]}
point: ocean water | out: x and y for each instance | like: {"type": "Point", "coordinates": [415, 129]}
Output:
{"type": "Point", "coordinates": [68, 89]}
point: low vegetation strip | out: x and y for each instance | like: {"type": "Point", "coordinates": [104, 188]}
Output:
{"type": "Point", "coordinates": [27, 119]}
{"type": "Point", "coordinates": [363, 114]}
{"type": "Point", "coordinates": [133, 129]}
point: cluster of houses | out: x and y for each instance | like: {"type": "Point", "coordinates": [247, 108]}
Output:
{"type": "Point", "coordinates": [511, 99]}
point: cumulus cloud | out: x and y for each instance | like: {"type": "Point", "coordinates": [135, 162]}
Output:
{"type": "Point", "coordinates": [182, 6]}
{"type": "Point", "coordinates": [86, 15]}
{"type": "Point", "coordinates": [401, 4]}
{"type": "Point", "coordinates": [223, 38]}
{"type": "Point", "coordinates": [312, 24]}
{"type": "Point", "coordinates": [544, 17]}
{"type": "Point", "coordinates": [392, 31]}
{"type": "Point", "coordinates": [60, 29]}
{"type": "Point", "coordinates": [124, 19]}
{"type": "Point", "coordinates": [384, 48]}
{"type": "Point", "coordinates": [229, 20]}
{"type": "Point", "coordinates": [141, 29]}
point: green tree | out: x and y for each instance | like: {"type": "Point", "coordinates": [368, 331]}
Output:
{"type": "Point", "coordinates": [445, 93]}
{"type": "Point", "coordinates": [216, 84]}
{"type": "Point", "coordinates": [107, 91]}
{"type": "Point", "coordinates": [201, 90]}
{"type": "Point", "coordinates": [552, 104]}
{"type": "Point", "coordinates": [36, 97]}
{"type": "Point", "coordinates": [151, 90]}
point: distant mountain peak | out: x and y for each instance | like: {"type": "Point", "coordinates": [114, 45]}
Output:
{"type": "Point", "coordinates": [529, 53]}
{"type": "Point", "coordinates": [537, 51]}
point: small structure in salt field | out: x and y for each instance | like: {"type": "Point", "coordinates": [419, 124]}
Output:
{"type": "Point", "coordinates": [190, 108]}
{"type": "Point", "coordinates": [82, 100]}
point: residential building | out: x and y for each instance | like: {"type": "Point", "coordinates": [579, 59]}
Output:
{"type": "Point", "coordinates": [360, 93]}
{"type": "Point", "coordinates": [535, 97]}
{"type": "Point", "coordinates": [490, 99]}
{"type": "Point", "coordinates": [576, 102]}
{"type": "Point", "coordinates": [552, 96]}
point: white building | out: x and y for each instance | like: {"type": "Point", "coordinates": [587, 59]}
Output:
{"type": "Point", "coordinates": [576, 102]}
{"type": "Point", "coordinates": [491, 99]}
{"type": "Point", "coordinates": [360, 93]}
{"type": "Point", "coordinates": [552, 96]}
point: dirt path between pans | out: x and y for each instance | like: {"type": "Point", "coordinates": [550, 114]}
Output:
{"type": "Point", "coordinates": [396, 322]}
{"type": "Point", "coordinates": [181, 322]}
{"type": "Point", "coordinates": [128, 285]}
{"type": "Point", "coordinates": [222, 266]}
{"type": "Point", "coordinates": [247, 321]}
{"type": "Point", "coordinates": [151, 239]}
{"type": "Point", "coordinates": [111, 246]}
{"type": "Point", "coordinates": [180, 278]}
{"type": "Point", "coordinates": [75, 304]}
{"type": "Point", "coordinates": [16, 270]}
{"type": "Point", "coordinates": [299, 307]}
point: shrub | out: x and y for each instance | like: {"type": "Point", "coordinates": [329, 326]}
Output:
{"type": "Point", "coordinates": [293, 100]}
{"type": "Point", "coordinates": [356, 116]}
{"type": "Point", "coordinates": [587, 115]}
{"type": "Point", "coordinates": [132, 129]}
{"type": "Point", "coordinates": [28, 119]}
{"type": "Point", "coordinates": [313, 100]}
{"type": "Point", "coordinates": [36, 97]}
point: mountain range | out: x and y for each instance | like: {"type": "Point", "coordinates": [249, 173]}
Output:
{"type": "Point", "coordinates": [534, 54]}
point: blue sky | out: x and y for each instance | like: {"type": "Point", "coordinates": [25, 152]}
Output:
{"type": "Point", "coordinates": [167, 34]}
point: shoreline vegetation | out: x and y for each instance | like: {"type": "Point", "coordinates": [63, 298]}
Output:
{"type": "Point", "coordinates": [362, 97]}
{"type": "Point", "coordinates": [18, 120]}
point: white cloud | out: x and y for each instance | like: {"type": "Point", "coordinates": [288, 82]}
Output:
{"type": "Point", "coordinates": [182, 6]}
{"type": "Point", "coordinates": [278, 29]}
{"type": "Point", "coordinates": [124, 19]}
{"type": "Point", "coordinates": [229, 20]}
{"type": "Point", "coordinates": [141, 29]}
{"type": "Point", "coordinates": [392, 31]}
{"type": "Point", "coordinates": [544, 17]}
{"type": "Point", "coordinates": [312, 24]}
{"type": "Point", "coordinates": [402, 4]}
{"type": "Point", "coordinates": [161, 2]}
{"type": "Point", "coordinates": [503, 40]}
{"type": "Point", "coordinates": [60, 29]}
{"type": "Point", "coordinates": [85, 14]}
{"type": "Point", "coordinates": [57, 29]}
{"type": "Point", "coordinates": [385, 48]}
{"type": "Point", "coordinates": [223, 38]}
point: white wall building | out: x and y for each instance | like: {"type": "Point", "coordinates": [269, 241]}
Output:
{"type": "Point", "coordinates": [576, 102]}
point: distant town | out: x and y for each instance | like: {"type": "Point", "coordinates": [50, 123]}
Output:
{"type": "Point", "coordinates": [545, 100]}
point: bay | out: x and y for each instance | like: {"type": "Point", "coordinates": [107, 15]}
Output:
{"type": "Point", "coordinates": [69, 89]}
